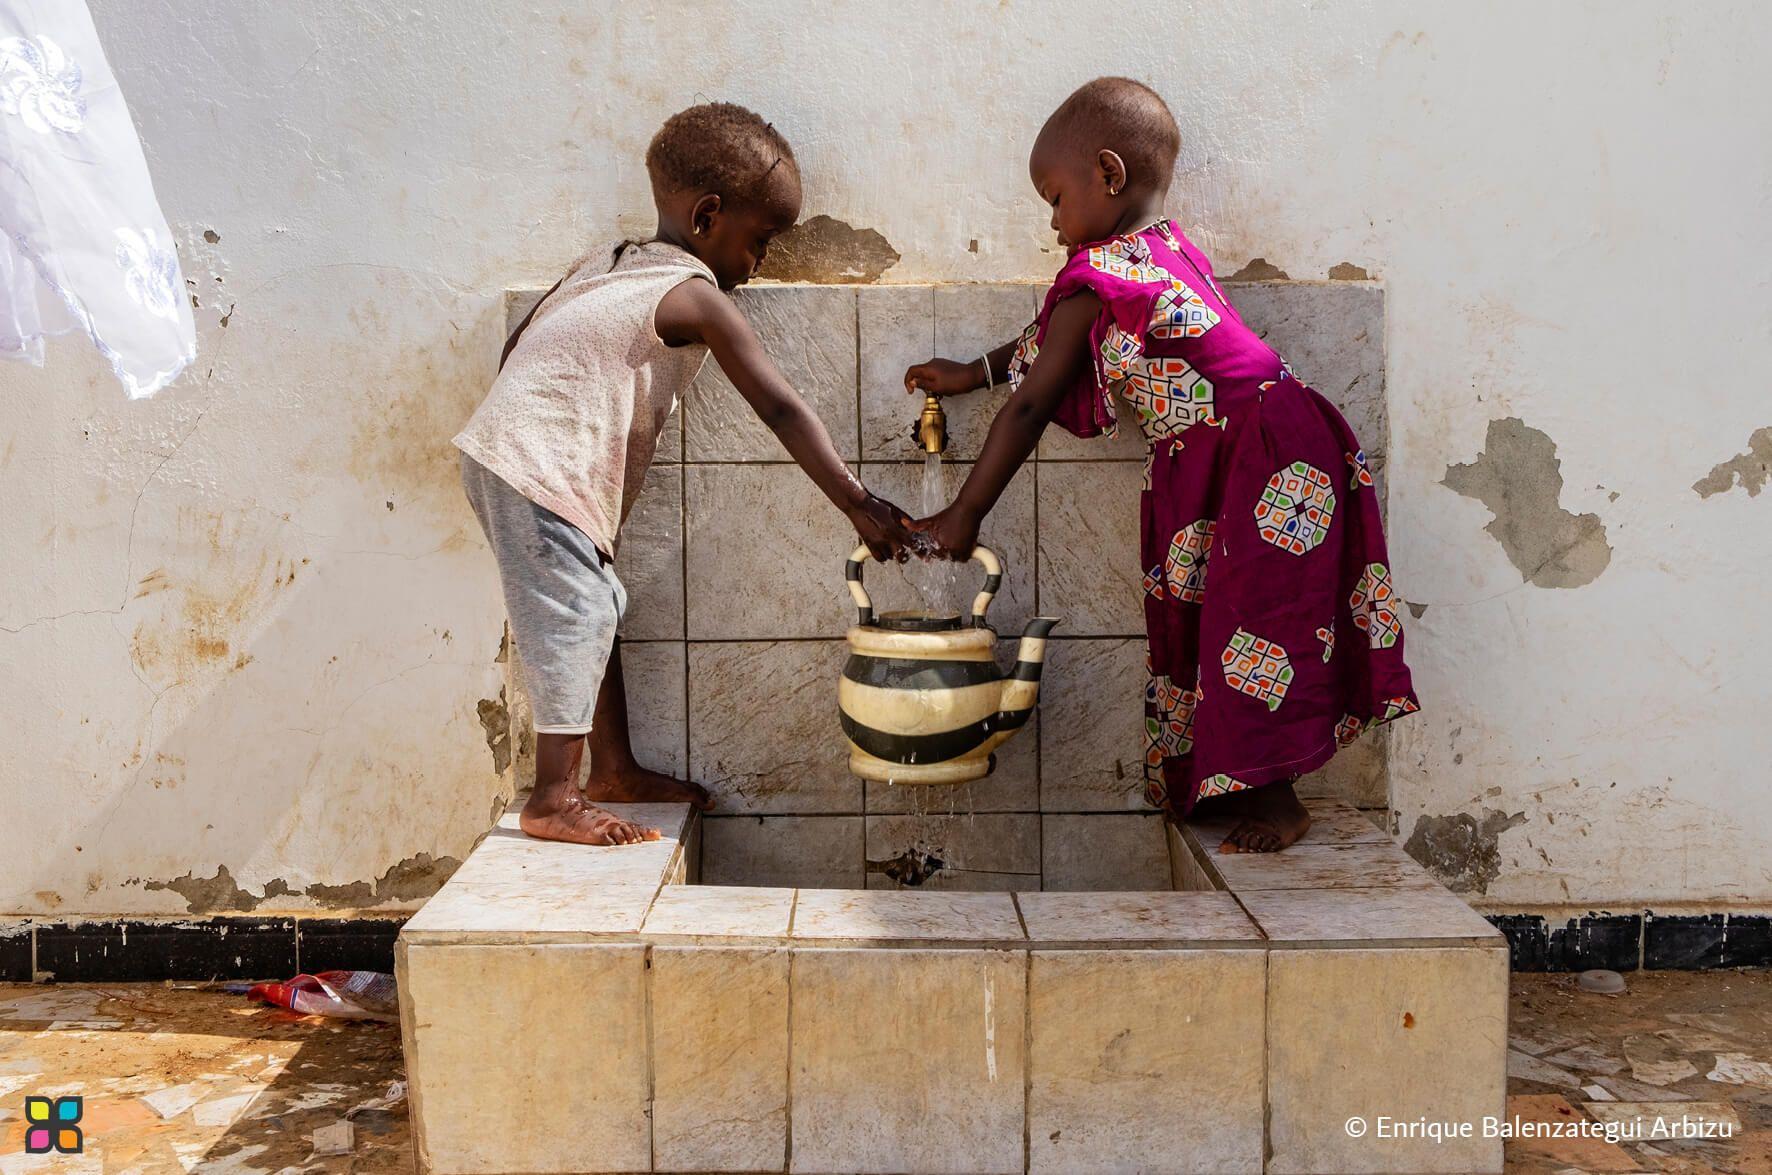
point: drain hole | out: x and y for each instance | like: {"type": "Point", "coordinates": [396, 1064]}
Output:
{"type": "Point", "coordinates": [909, 867]}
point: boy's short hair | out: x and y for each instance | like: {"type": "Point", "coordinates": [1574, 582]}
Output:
{"type": "Point", "coordinates": [1126, 117]}
{"type": "Point", "coordinates": [717, 147]}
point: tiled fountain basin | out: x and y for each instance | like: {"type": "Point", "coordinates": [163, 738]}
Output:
{"type": "Point", "coordinates": [571, 1009]}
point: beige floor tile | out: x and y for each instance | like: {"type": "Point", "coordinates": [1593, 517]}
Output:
{"type": "Point", "coordinates": [719, 1059]}
{"type": "Point", "coordinates": [649, 558]}
{"type": "Point", "coordinates": [716, 914]}
{"type": "Point", "coordinates": [1154, 917]}
{"type": "Point", "coordinates": [1327, 916]}
{"type": "Point", "coordinates": [1091, 576]}
{"type": "Point", "coordinates": [885, 916]}
{"type": "Point", "coordinates": [930, 1079]}
{"type": "Point", "coordinates": [809, 331]}
{"type": "Point", "coordinates": [1321, 866]}
{"type": "Point", "coordinates": [1145, 1060]}
{"type": "Point", "coordinates": [1092, 739]}
{"type": "Point", "coordinates": [477, 1097]}
{"type": "Point", "coordinates": [1104, 851]}
{"type": "Point", "coordinates": [531, 912]}
{"type": "Point", "coordinates": [763, 729]}
{"type": "Point", "coordinates": [765, 555]}
{"type": "Point", "coordinates": [1189, 869]}
{"type": "Point", "coordinates": [1332, 822]}
{"type": "Point", "coordinates": [1426, 1030]}
{"type": "Point", "coordinates": [826, 852]}
{"type": "Point", "coordinates": [992, 851]}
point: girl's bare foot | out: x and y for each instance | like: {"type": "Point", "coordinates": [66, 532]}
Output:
{"type": "Point", "coordinates": [570, 817]}
{"type": "Point", "coordinates": [631, 783]}
{"type": "Point", "coordinates": [1272, 819]}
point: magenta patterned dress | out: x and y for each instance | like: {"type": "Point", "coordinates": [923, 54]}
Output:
{"type": "Point", "coordinates": [1273, 624]}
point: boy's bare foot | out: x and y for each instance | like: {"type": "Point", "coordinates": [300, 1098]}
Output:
{"type": "Point", "coordinates": [634, 784]}
{"type": "Point", "coordinates": [1272, 819]}
{"type": "Point", "coordinates": [574, 819]}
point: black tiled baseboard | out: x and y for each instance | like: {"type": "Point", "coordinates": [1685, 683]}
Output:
{"type": "Point", "coordinates": [1625, 942]}
{"type": "Point", "coordinates": [143, 950]}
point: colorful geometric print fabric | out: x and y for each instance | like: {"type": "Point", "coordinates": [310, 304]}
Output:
{"type": "Point", "coordinates": [1257, 479]}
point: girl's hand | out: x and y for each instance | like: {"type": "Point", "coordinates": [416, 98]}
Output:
{"type": "Point", "coordinates": [944, 377]}
{"type": "Point", "coordinates": [950, 534]}
{"type": "Point", "coordinates": [883, 527]}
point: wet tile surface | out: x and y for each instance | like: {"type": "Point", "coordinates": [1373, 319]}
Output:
{"type": "Point", "coordinates": [1320, 866]}
{"type": "Point", "coordinates": [711, 913]}
{"type": "Point", "coordinates": [836, 916]}
{"type": "Point", "coordinates": [967, 851]}
{"type": "Point", "coordinates": [1135, 917]}
{"type": "Point", "coordinates": [1355, 914]}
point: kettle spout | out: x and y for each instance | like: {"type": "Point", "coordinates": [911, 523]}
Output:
{"type": "Point", "coordinates": [1022, 689]}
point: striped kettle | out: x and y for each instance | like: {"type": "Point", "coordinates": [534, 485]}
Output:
{"type": "Point", "coordinates": [922, 699]}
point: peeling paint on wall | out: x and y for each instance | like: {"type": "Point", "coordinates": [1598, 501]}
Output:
{"type": "Point", "coordinates": [1347, 271]}
{"type": "Point", "coordinates": [825, 249]}
{"type": "Point", "coordinates": [495, 717]}
{"type": "Point", "coordinates": [413, 879]}
{"type": "Point", "coordinates": [1464, 852]}
{"type": "Point", "coordinates": [1748, 470]}
{"type": "Point", "coordinates": [1259, 270]}
{"type": "Point", "coordinates": [1520, 479]}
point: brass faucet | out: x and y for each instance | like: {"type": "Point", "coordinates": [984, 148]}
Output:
{"type": "Point", "coordinates": [931, 431]}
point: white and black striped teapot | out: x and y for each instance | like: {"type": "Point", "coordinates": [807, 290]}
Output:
{"type": "Point", "coordinates": [921, 697]}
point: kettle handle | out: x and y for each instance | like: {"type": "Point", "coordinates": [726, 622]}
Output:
{"type": "Point", "coordinates": [983, 556]}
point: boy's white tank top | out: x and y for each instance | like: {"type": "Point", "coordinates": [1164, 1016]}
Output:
{"type": "Point", "coordinates": [572, 422]}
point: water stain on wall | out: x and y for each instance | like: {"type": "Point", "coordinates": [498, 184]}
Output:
{"type": "Point", "coordinates": [1749, 470]}
{"type": "Point", "coordinates": [1519, 477]}
{"type": "Point", "coordinates": [825, 249]}
{"type": "Point", "coordinates": [1465, 852]}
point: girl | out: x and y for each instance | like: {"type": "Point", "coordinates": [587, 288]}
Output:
{"type": "Point", "coordinates": [1272, 622]}
{"type": "Point", "coordinates": [553, 458]}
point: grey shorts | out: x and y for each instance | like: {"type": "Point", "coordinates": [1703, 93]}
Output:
{"type": "Point", "coordinates": [562, 596]}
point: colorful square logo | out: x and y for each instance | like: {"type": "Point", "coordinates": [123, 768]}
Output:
{"type": "Point", "coordinates": [50, 1125]}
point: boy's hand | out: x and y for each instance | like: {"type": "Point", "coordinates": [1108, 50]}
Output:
{"type": "Point", "coordinates": [883, 527]}
{"type": "Point", "coordinates": [950, 534]}
{"type": "Point", "coordinates": [944, 377]}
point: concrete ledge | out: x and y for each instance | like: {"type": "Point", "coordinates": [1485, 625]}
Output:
{"type": "Point", "coordinates": [1234, 1025]}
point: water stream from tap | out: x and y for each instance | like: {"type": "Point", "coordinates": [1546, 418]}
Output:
{"type": "Point", "coordinates": [935, 580]}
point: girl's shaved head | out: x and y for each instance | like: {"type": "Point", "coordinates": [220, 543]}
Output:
{"type": "Point", "coordinates": [1122, 116]}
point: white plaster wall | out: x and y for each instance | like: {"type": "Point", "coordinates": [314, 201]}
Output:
{"type": "Point", "coordinates": [1568, 203]}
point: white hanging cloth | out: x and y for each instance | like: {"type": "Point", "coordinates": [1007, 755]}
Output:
{"type": "Point", "coordinates": [84, 245]}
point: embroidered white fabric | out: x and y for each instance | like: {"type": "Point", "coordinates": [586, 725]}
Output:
{"type": "Point", "coordinates": [83, 244]}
